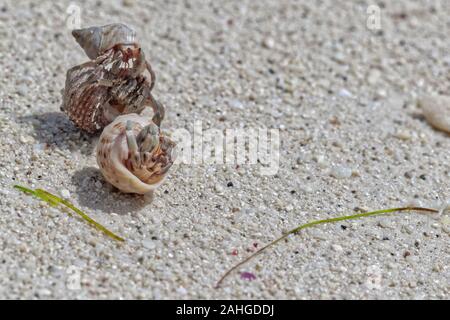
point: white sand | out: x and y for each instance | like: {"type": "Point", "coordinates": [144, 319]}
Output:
{"type": "Point", "coordinates": [344, 98]}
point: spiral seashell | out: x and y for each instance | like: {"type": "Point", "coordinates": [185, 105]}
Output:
{"type": "Point", "coordinates": [112, 83]}
{"type": "Point", "coordinates": [96, 40]}
{"type": "Point", "coordinates": [133, 155]}
{"type": "Point", "coordinates": [98, 91]}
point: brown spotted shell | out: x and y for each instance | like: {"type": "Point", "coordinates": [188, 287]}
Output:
{"type": "Point", "coordinates": [114, 156]}
{"type": "Point", "coordinates": [97, 91]}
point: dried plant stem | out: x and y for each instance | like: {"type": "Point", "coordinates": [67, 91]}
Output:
{"type": "Point", "coordinates": [54, 201]}
{"type": "Point", "coordinates": [318, 222]}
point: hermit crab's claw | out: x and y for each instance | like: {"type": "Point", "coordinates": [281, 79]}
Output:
{"type": "Point", "coordinates": [158, 110]}
{"type": "Point", "coordinates": [134, 154]}
{"type": "Point", "coordinates": [152, 74]}
{"type": "Point", "coordinates": [148, 138]}
{"type": "Point", "coordinates": [168, 148]}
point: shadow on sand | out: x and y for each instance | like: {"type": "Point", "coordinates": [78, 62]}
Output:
{"type": "Point", "coordinates": [56, 129]}
{"type": "Point", "coordinates": [109, 199]}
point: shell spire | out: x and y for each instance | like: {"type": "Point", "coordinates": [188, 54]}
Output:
{"type": "Point", "coordinates": [96, 40]}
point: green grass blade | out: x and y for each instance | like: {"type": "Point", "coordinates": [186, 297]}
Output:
{"type": "Point", "coordinates": [26, 190]}
{"type": "Point", "coordinates": [50, 198]}
{"type": "Point", "coordinates": [54, 201]}
{"type": "Point", "coordinates": [319, 222]}
{"type": "Point", "coordinates": [39, 195]}
{"type": "Point", "coordinates": [92, 222]}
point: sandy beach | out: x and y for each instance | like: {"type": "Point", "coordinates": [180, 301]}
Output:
{"type": "Point", "coordinates": [338, 81]}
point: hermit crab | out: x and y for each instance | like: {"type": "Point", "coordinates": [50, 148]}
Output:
{"type": "Point", "coordinates": [112, 83]}
{"type": "Point", "coordinates": [109, 92]}
{"type": "Point", "coordinates": [134, 155]}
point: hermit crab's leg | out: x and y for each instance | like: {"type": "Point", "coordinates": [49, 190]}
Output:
{"type": "Point", "coordinates": [167, 146]}
{"type": "Point", "coordinates": [133, 149]}
{"type": "Point", "coordinates": [158, 110]}
{"type": "Point", "coordinates": [148, 139]}
{"type": "Point", "coordinates": [139, 64]}
{"type": "Point", "coordinates": [148, 142]}
{"type": "Point", "coordinates": [152, 74]}
{"type": "Point", "coordinates": [166, 168]}
{"type": "Point", "coordinates": [143, 146]}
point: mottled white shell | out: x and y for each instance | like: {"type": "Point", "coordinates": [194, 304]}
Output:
{"type": "Point", "coordinates": [436, 109]}
{"type": "Point", "coordinates": [112, 152]}
{"type": "Point", "coordinates": [96, 40]}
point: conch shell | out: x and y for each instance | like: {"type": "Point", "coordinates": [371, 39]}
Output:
{"type": "Point", "coordinates": [133, 155]}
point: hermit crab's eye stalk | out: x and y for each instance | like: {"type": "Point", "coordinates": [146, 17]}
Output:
{"type": "Point", "coordinates": [134, 155]}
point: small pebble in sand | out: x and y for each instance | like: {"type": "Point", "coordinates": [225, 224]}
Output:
{"type": "Point", "coordinates": [414, 202]}
{"type": "Point", "coordinates": [22, 90]}
{"type": "Point", "coordinates": [65, 193]}
{"type": "Point", "coordinates": [321, 161]}
{"type": "Point", "coordinates": [268, 43]}
{"type": "Point", "coordinates": [341, 172]}
{"type": "Point", "coordinates": [128, 3]}
{"type": "Point", "coordinates": [148, 244]}
{"type": "Point", "coordinates": [26, 139]}
{"type": "Point", "coordinates": [182, 291]}
{"type": "Point", "coordinates": [344, 93]}
{"type": "Point", "coordinates": [235, 104]}
{"type": "Point", "coordinates": [218, 188]}
{"type": "Point", "coordinates": [444, 207]}
{"type": "Point", "coordinates": [436, 109]}
{"type": "Point", "coordinates": [374, 76]}
{"type": "Point", "coordinates": [248, 276]}
{"type": "Point", "coordinates": [403, 135]}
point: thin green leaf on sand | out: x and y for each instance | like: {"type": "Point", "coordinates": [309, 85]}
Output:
{"type": "Point", "coordinates": [319, 222]}
{"type": "Point", "coordinates": [54, 201]}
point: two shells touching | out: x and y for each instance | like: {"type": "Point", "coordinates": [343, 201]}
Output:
{"type": "Point", "coordinates": [109, 93]}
